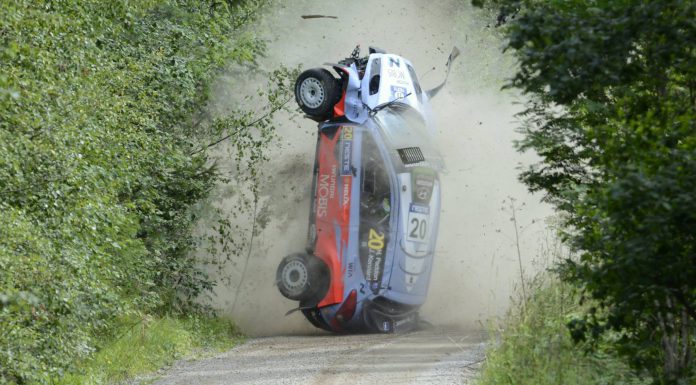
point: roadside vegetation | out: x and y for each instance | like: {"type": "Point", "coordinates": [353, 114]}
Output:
{"type": "Point", "coordinates": [104, 126]}
{"type": "Point", "coordinates": [612, 115]}
{"type": "Point", "coordinates": [140, 345]}
{"type": "Point", "coordinates": [533, 346]}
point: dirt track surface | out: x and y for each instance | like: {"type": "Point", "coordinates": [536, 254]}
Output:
{"type": "Point", "coordinates": [435, 356]}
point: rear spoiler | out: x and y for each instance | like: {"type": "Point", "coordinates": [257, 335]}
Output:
{"type": "Point", "coordinates": [453, 55]}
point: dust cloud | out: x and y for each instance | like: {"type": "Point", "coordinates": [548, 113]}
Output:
{"type": "Point", "coordinates": [476, 262]}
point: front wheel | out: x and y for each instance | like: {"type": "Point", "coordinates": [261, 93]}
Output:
{"type": "Point", "coordinates": [316, 92]}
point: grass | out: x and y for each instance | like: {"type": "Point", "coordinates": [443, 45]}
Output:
{"type": "Point", "coordinates": [144, 344]}
{"type": "Point", "coordinates": [532, 345]}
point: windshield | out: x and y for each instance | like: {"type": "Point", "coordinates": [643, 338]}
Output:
{"type": "Point", "coordinates": [408, 139]}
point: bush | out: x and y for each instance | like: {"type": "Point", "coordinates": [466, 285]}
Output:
{"type": "Point", "coordinates": [101, 111]}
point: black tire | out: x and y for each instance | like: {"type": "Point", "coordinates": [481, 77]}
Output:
{"type": "Point", "coordinates": [316, 92]}
{"type": "Point", "coordinates": [303, 278]}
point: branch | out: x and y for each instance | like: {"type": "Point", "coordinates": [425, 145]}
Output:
{"type": "Point", "coordinates": [246, 261]}
{"type": "Point", "coordinates": [271, 112]}
{"type": "Point", "coordinates": [519, 254]}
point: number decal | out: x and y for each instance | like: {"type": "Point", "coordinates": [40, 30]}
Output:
{"type": "Point", "coordinates": [417, 228]}
{"type": "Point", "coordinates": [375, 240]}
{"type": "Point", "coordinates": [414, 221]}
{"type": "Point", "coordinates": [348, 133]}
{"type": "Point", "coordinates": [420, 229]}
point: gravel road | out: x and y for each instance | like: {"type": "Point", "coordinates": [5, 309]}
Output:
{"type": "Point", "coordinates": [434, 356]}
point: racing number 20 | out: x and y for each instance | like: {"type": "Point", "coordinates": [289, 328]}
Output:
{"type": "Point", "coordinates": [375, 240]}
{"type": "Point", "coordinates": [420, 228]}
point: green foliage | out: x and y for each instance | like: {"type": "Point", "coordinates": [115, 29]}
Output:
{"type": "Point", "coordinates": [533, 346]}
{"type": "Point", "coordinates": [613, 117]}
{"type": "Point", "coordinates": [103, 106]}
{"type": "Point", "coordinates": [142, 344]}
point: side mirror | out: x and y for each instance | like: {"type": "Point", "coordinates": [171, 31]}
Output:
{"type": "Point", "coordinates": [450, 59]}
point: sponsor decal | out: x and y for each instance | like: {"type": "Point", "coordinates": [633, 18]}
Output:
{"type": "Point", "coordinates": [348, 133]}
{"type": "Point", "coordinates": [354, 109]}
{"type": "Point", "coordinates": [326, 190]}
{"type": "Point", "coordinates": [416, 208]}
{"type": "Point", "coordinates": [398, 92]}
{"type": "Point", "coordinates": [422, 193]}
{"type": "Point", "coordinates": [372, 257]}
{"type": "Point", "coordinates": [347, 183]}
{"type": "Point", "coordinates": [424, 182]}
{"type": "Point", "coordinates": [423, 189]}
{"type": "Point", "coordinates": [349, 271]}
{"type": "Point", "coordinates": [394, 61]}
{"type": "Point", "coordinates": [347, 151]}
{"type": "Point", "coordinates": [418, 227]}
{"type": "Point", "coordinates": [396, 74]}
{"type": "Point", "coordinates": [375, 240]}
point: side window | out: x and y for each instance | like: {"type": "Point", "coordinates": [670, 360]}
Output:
{"type": "Point", "coordinates": [375, 192]}
{"type": "Point", "coordinates": [374, 76]}
{"type": "Point", "coordinates": [375, 211]}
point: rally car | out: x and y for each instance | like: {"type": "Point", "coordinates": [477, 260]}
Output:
{"type": "Point", "coordinates": [376, 197]}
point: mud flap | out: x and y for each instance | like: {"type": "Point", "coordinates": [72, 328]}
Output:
{"type": "Point", "coordinates": [296, 309]}
{"type": "Point", "coordinates": [315, 318]}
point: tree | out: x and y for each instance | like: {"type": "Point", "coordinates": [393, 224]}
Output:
{"type": "Point", "coordinates": [612, 114]}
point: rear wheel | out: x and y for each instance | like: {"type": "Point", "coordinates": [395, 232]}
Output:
{"type": "Point", "coordinates": [303, 278]}
{"type": "Point", "coordinates": [316, 92]}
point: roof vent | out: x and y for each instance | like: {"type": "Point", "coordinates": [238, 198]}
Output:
{"type": "Point", "coordinates": [411, 155]}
